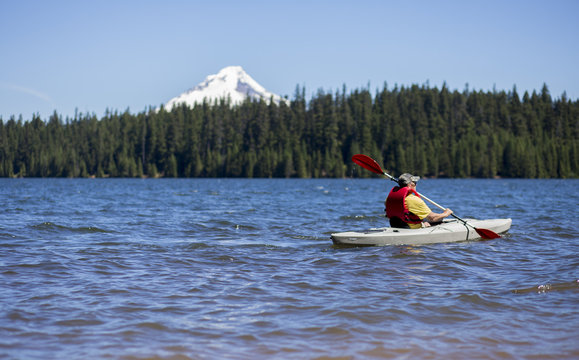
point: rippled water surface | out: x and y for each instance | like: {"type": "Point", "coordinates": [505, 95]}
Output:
{"type": "Point", "coordinates": [239, 269]}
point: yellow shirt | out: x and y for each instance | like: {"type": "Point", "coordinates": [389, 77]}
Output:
{"type": "Point", "coordinates": [418, 207]}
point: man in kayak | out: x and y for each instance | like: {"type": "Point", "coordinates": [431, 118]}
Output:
{"type": "Point", "coordinates": [406, 209]}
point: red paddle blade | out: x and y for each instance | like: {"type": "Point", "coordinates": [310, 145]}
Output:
{"type": "Point", "coordinates": [487, 234]}
{"type": "Point", "coordinates": [367, 163]}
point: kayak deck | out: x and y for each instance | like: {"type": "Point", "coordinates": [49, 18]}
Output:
{"type": "Point", "coordinates": [448, 231]}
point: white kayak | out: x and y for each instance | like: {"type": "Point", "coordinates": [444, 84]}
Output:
{"type": "Point", "coordinates": [448, 231]}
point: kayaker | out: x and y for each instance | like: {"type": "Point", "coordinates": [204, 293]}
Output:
{"type": "Point", "coordinates": [406, 209]}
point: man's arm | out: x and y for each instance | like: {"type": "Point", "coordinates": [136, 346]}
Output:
{"type": "Point", "coordinates": [435, 217]}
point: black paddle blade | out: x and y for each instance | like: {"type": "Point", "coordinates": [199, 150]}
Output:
{"type": "Point", "coordinates": [367, 163]}
{"type": "Point", "coordinates": [487, 234]}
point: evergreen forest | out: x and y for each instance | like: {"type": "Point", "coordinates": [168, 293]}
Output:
{"type": "Point", "coordinates": [427, 131]}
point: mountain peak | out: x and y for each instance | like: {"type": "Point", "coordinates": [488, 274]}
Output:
{"type": "Point", "coordinates": [232, 82]}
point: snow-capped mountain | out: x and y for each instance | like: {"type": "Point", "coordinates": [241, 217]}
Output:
{"type": "Point", "coordinates": [231, 81]}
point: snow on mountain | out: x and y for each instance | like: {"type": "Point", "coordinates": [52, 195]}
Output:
{"type": "Point", "coordinates": [231, 81]}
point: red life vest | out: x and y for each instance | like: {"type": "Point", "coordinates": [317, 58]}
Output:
{"type": "Point", "coordinates": [396, 206]}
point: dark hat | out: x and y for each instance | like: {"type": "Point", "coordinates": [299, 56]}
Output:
{"type": "Point", "coordinates": [406, 178]}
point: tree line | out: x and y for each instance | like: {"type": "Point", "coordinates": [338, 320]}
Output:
{"type": "Point", "coordinates": [424, 130]}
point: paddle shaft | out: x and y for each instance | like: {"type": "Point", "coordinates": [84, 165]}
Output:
{"type": "Point", "coordinates": [443, 208]}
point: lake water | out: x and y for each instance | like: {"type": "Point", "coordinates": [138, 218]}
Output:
{"type": "Point", "coordinates": [245, 269]}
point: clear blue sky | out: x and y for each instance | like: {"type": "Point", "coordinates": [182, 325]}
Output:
{"type": "Point", "coordinates": [90, 56]}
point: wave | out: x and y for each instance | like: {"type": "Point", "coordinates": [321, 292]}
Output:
{"type": "Point", "coordinates": [543, 288]}
{"type": "Point", "coordinates": [52, 227]}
